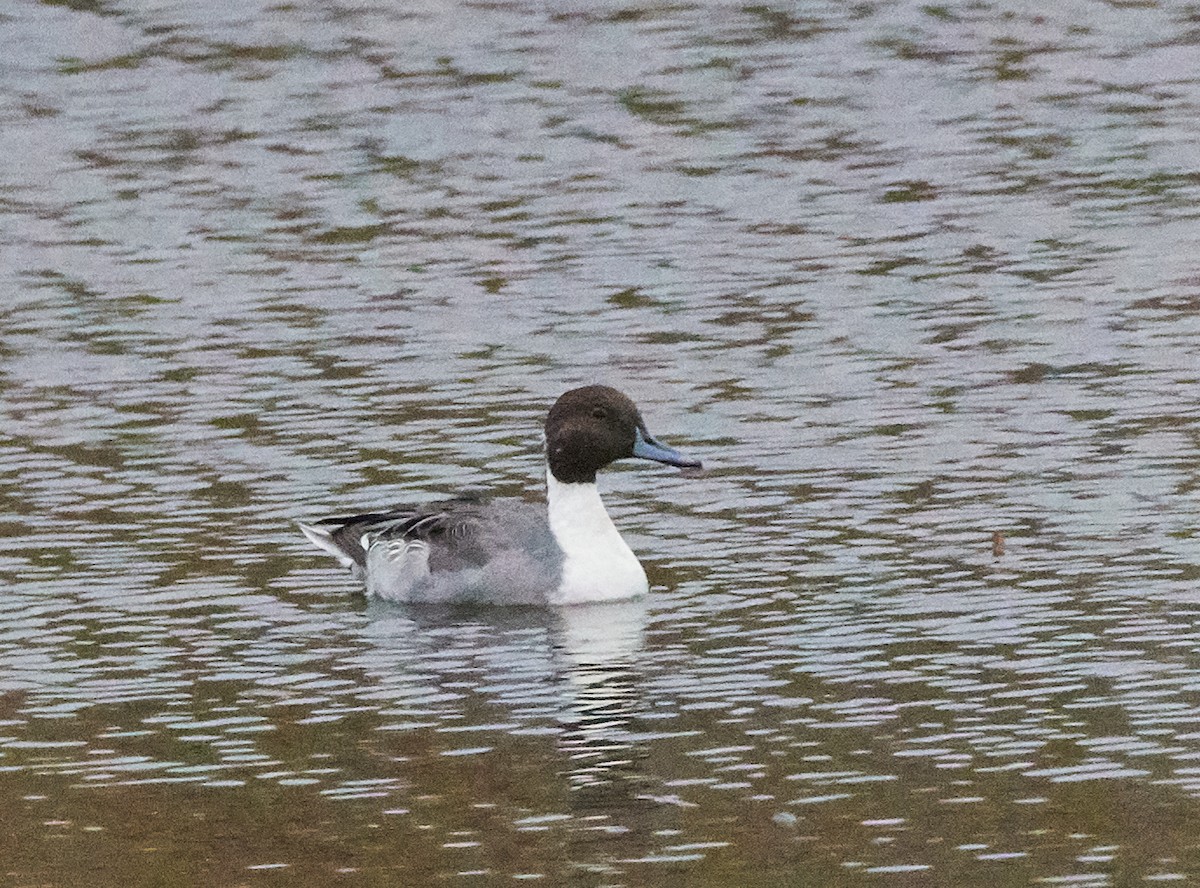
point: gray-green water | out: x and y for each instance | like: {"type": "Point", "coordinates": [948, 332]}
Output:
{"type": "Point", "coordinates": [904, 276]}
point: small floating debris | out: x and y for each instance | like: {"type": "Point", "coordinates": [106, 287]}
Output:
{"type": "Point", "coordinates": [997, 544]}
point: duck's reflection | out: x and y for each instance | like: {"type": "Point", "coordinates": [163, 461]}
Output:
{"type": "Point", "coordinates": [598, 648]}
{"type": "Point", "coordinates": [576, 666]}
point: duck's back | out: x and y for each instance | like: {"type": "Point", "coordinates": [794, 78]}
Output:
{"type": "Point", "coordinates": [459, 550]}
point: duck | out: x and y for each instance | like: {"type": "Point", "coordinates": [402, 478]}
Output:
{"type": "Point", "coordinates": [508, 550]}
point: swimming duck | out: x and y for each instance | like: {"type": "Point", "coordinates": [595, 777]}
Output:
{"type": "Point", "coordinates": [506, 550]}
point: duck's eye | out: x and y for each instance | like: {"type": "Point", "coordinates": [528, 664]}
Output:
{"type": "Point", "coordinates": [599, 413]}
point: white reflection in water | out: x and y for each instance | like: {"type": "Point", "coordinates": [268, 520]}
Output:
{"type": "Point", "coordinates": [572, 673]}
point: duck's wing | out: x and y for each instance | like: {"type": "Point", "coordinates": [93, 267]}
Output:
{"type": "Point", "coordinates": [456, 531]}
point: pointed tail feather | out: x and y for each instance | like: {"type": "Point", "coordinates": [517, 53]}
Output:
{"type": "Point", "coordinates": [322, 538]}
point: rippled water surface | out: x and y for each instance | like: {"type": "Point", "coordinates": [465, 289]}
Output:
{"type": "Point", "coordinates": [919, 284]}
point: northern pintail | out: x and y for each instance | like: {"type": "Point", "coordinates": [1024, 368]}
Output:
{"type": "Point", "coordinates": [510, 551]}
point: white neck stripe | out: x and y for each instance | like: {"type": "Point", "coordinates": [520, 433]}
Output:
{"type": "Point", "coordinates": [598, 565]}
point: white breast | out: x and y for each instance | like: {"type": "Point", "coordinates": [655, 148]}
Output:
{"type": "Point", "coordinates": [599, 565]}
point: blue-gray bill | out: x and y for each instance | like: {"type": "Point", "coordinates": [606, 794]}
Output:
{"type": "Point", "coordinates": [646, 447]}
